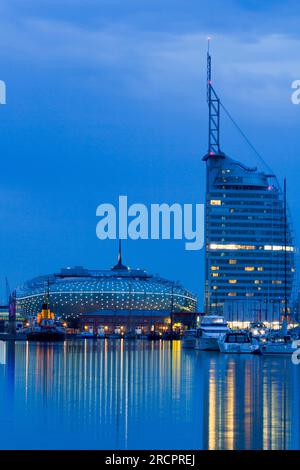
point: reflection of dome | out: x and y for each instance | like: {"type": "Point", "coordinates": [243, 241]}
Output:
{"type": "Point", "coordinates": [78, 291]}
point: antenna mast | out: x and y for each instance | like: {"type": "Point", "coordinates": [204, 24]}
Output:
{"type": "Point", "coordinates": [214, 111]}
{"type": "Point", "coordinates": [47, 292]}
{"type": "Point", "coordinates": [285, 253]}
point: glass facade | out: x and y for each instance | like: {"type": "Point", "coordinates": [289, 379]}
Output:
{"type": "Point", "coordinates": [78, 291]}
{"type": "Point", "coordinates": [245, 237]}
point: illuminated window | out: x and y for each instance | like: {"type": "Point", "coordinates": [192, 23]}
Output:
{"type": "Point", "coordinates": [249, 268]}
{"type": "Point", "coordinates": [276, 282]}
{"type": "Point", "coordinates": [278, 248]}
{"type": "Point", "coordinates": [249, 294]}
{"type": "Point", "coordinates": [232, 281]}
{"type": "Point", "coordinates": [215, 202]}
{"type": "Point", "coordinates": [257, 281]}
{"type": "Point", "coordinates": [215, 287]}
{"type": "Point", "coordinates": [232, 261]}
{"type": "Point", "coordinates": [260, 268]}
{"type": "Point", "coordinates": [215, 268]}
{"type": "Point", "coordinates": [215, 274]}
{"type": "Point", "coordinates": [231, 294]}
{"type": "Point", "coordinates": [216, 246]}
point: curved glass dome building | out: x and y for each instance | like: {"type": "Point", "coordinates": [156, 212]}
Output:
{"type": "Point", "coordinates": [111, 297]}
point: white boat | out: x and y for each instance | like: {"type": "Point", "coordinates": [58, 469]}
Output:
{"type": "Point", "coordinates": [189, 339]}
{"type": "Point", "coordinates": [118, 333]}
{"type": "Point", "coordinates": [139, 332]}
{"type": "Point", "coordinates": [238, 343]}
{"type": "Point", "coordinates": [258, 329]}
{"type": "Point", "coordinates": [211, 329]}
{"type": "Point", "coordinates": [101, 333]}
{"type": "Point", "coordinates": [278, 344]}
{"type": "Point", "coordinates": [87, 335]}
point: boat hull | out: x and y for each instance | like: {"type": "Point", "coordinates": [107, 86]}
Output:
{"type": "Point", "coordinates": [41, 336]}
{"type": "Point", "coordinates": [207, 344]}
{"type": "Point", "coordinates": [233, 348]}
{"type": "Point", "coordinates": [278, 348]}
{"type": "Point", "coordinates": [153, 337]}
{"type": "Point", "coordinates": [189, 343]}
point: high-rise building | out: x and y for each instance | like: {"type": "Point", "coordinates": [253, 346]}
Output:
{"type": "Point", "coordinates": [249, 242]}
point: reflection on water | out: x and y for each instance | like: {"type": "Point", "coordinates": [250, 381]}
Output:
{"type": "Point", "coordinates": [129, 395]}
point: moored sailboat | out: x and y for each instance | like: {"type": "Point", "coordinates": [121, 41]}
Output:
{"type": "Point", "coordinates": [281, 342]}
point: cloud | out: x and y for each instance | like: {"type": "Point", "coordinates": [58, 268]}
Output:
{"type": "Point", "coordinates": [152, 62]}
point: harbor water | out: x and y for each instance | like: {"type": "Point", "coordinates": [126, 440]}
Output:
{"type": "Point", "coordinates": [117, 394]}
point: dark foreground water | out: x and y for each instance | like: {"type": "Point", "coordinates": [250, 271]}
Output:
{"type": "Point", "coordinates": [115, 394]}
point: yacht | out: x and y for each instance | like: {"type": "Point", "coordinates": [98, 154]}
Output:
{"type": "Point", "coordinates": [87, 334]}
{"type": "Point", "coordinates": [258, 329]}
{"type": "Point", "coordinates": [118, 333]}
{"type": "Point", "coordinates": [211, 329]}
{"type": "Point", "coordinates": [189, 339]}
{"type": "Point", "coordinates": [278, 344]}
{"type": "Point", "coordinates": [238, 342]}
{"type": "Point", "coordinates": [101, 333]}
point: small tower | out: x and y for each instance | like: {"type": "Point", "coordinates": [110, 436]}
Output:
{"type": "Point", "coordinates": [119, 266]}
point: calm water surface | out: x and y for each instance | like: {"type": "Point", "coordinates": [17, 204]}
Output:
{"type": "Point", "coordinates": [114, 394]}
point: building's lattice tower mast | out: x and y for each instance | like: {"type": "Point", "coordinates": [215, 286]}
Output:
{"type": "Point", "coordinates": [214, 111]}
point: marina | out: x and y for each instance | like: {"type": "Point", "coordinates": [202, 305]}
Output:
{"type": "Point", "coordinates": [149, 289]}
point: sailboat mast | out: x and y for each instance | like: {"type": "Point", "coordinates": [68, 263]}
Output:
{"type": "Point", "coordinates": [47, 293]}
{"type": "Point", "coordinates": [285, 254]}
{"type": "Point", "coordinates": [172, 310]}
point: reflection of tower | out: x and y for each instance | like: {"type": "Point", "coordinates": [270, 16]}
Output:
{"type": "Point", "coordinates": [233, 405]}
{"type": "Point", "coordinates": [281, 410]}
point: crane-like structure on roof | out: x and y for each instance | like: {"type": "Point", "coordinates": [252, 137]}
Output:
{"type": "Point", "coordinates": [214, 111]}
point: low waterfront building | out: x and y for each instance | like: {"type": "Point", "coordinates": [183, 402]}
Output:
{"type": "Point", "coordinates": [120, 297]}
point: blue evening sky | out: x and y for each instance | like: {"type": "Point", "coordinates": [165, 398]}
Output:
{"type": "Point", "coordinates": [107, 97]}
